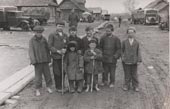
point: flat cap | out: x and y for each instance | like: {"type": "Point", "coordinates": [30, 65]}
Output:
{"type": "Point", "coordinates": [73, 28]}
{"type": "Point", "coordinates": [131, 28]}
{"type": "Point", "coordinates": [60, 22]}
{"type": "Point", "coordinates": [93, 41]}
{"type": "Point", "coordinates": [38, 29]}
{"type": "Point", "coordinates": [110, 26]}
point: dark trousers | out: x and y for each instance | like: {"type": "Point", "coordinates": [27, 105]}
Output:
{"type": "Point", "coordinates": [130, 73]}
{"type": "Point", "coordinates": [57, 71]}
{"type": "Point", "coordinates": [89, 78]}
{"type": "Point", "coordinates": [78, 83]}
{"type": "Point", "coordinates": [42, 69]}
{"type": "Point", "coordinates": [109, 68]}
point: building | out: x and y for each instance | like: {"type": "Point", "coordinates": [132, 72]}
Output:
{"type": "Point", "coordinates": [97, 12]}
{"type": "Point", "coordinates": [29, 5]}
{"type": "Point", "coordinates": [104, 12]}
{"type": "Point", "coordinates": [67, 5]}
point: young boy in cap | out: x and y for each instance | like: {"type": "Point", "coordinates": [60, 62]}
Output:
{"type": "Point", "coordinates": [131, 56]}
{"type": "Point", "coordinates": [111, 48]}
{"type": "Point", "coordinates": [40, 57]}
{"type": "Point", "coordinates": [74, 67]}
{"type": "Point", "coordinates": [73, 37]}
{"type": "Point", "coordinates": [58, 42]}
{"type": "Point", "coordinates": [85, 45]}
{"type": "Point", "coordinates": [93, 66]}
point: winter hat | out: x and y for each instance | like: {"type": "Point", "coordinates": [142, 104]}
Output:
{"type": "Point", "coordinates": [73, 28]}
{"type": "Point", "coordinates": [38, 29]}
{"type": "Point", "coordinates": [131, 28]}
{"type": "Point", "coordinates": [110, 26]}
{"type": "Point", "coordinates": [93, 41]}
{"type": "Point", "coordinates": [72, 44]}
{"type": "Point", "coordinates": [88, 28]}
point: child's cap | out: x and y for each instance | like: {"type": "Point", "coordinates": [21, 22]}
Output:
{"type": "Point", "coordinates": [93, 41]}
{"type": "Point", "coordinates": [110, 26]}
{"type": "Point", "coordinates": [131, 28]}
{"type": "Point", "coordinates": [38, 29]}
{"type": "Point", "coordinates": [73, 28]}
{"type": "Point", "coordinates": [60, 22]}
{"type": "Point", "coordinates": [72, 44]}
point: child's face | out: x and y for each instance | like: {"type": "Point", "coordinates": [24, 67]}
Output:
{"type": "Point", "coordinates": [89, 33]}
{"type": "Point", "coordinates": [108, 31]}
{"type": "Point", "coordinates": [72, 48]}
{"type": "Point", "coordinates": [59, 27]}
{"type": "Point", "coordinates": [73, 33]}
{"type": "Point", "coordinates": [131, 34]}
{"type": "Point", "coordinates": [92, 45]}
{"type": "Point", "coordinates": [38, 34]}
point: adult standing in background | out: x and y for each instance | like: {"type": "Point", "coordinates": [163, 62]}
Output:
{"type": "Point", "coordinates": [120, 21]}
{"type": "Point", "coordinates": [73, 19]}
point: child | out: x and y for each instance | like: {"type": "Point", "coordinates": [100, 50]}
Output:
{"type": "Point", "coordinates": [131, 56]}
{"type": "Point", "coordinates": [40, 58]}
{"type": "Point", "coordinates": [74, 67]}
{"type": "Point", "coordinates": [93, 66]}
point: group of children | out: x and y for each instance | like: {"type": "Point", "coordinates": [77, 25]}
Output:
{"type": "Point", "coordinates": [83, 59]}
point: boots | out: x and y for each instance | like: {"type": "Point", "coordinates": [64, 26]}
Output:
{"type": "Point", "coordinates": [88, 88]}
{"type": "Point", "coordinates": [96, 87]}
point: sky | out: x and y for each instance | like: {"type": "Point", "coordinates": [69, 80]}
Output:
{"type": "Point", "coordinates": [113, 6]}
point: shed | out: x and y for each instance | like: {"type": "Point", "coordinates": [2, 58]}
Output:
{"type": "Point", "coordinates": [97, 12]}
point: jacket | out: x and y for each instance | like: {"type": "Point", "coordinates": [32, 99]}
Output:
{"type": "Point", "coordinates": [111, 48]}
{"type": "Point", "coordinates": [57, 42]}
{"type": "Point", "coordinates": [73, 62]}
{"type": "Point", "coordinates": [131, 53]}
{"type": "Point", "coordinates": [38, 50]}
{"type": "Point", "coordinates": [73, 19]}
{"type": "Point", "coordinates": [95, 67]}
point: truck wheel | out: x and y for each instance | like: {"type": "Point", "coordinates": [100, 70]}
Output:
{"type": "Point", "coordinates": [25, 27]}
{"type": "Point", "coordinates": [6, 28]}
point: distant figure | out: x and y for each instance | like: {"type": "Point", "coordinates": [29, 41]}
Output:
{"type": "Point", "coordinates": [120, 21]}
{"type": "Point", "coordinates": [73, 19]}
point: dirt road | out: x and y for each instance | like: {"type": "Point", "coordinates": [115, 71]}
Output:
{"type": "Point", "coordinates": [153, 76]}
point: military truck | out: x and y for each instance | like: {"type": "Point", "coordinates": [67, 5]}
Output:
{"type": "Point", "coordinates": [11, 17]}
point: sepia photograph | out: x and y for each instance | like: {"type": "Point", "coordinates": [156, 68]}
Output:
{"type": "Point", "coordinates": [84, 54]}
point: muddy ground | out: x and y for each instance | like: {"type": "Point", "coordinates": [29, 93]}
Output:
{"type": "Point", "coordinates": [153, 76]}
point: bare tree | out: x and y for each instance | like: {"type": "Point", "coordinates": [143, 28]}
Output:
{"type": "Point", "coordinates": [130, 5]}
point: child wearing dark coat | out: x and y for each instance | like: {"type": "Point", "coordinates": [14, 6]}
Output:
{"type": "Point", "coordinates": [74, 67]}
{"type": "Point", "coordinates": [93, 58]}
{"type": "Point", "coordinates": [40, 57]}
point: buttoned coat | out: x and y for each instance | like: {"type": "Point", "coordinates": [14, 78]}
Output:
{"type": "Point", "coordinates": [57, 42]}
{"type": "Point", "coordinates": [97, 67]}
{"type": "Point", "coordinates": [111, 48]}
{"type": "Point", "coordinates": [38, 50]}
{"type": "Point", "coordinates": [131, 54]}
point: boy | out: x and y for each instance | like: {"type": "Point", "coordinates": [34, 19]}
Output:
{"type": "Point", "coordinates": [93, 66]}
{"type": "Point", "coordinates": [58, 42]}
{"type": "Point", "coordinates": [131, 56]}
{"type": "Point", "coordinates": [40, 57]}
{"type": "Point", "coordinates": [111, 48]}
{"type": "Point", "coordinates": [74, 67]}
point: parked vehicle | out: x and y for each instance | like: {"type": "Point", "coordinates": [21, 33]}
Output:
{"type": "Point", "coordinates": [146, 16]}
{"type": "Point", "coordinates": [11, 17]}
{"type": "Point", "coordinates": [107, 17]}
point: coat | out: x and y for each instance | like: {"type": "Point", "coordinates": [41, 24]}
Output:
{"type": "Point", "coordinates": [73, 62]}
{"type": "Point", "coordinates": [73, 19]}
{"type": "Point", "coordinates": [111, 48]}
{"type": "Point", "coordinates": [39, 51]}
{"type": "Point", "coordinates": [131, 53]}
{"type": "Point", "coordinates": [97, 67]}
{"type": "Point", "coordinates": [57, 42]}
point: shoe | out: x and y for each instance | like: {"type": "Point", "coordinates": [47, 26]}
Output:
{"type": "Point", "coordinates": [37, 93]}
{"type": "Point", "coordinates": [96, 87]}
{"type": "Point", "coordinates": [79, 90]}
{"type": "Point", "coordinates": [87, 89]}
{"type": "Point", "coordinates": [111, 85]}
{"type": "Point", "coordinates": [125, 88]}
{"type": "Point", "coordinates": [102, 84]}
{"type": "Point", "coordinates": [136, 89]}
{"type": "Point", "coordinates": [72, 90]}
{"type": "Point", "coordinates": [49, 90]}
{"type": "Point", "coordinates": [59, 90]}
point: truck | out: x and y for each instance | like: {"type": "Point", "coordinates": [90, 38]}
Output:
{"type": "Point", "coordinates": [11, 17]}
